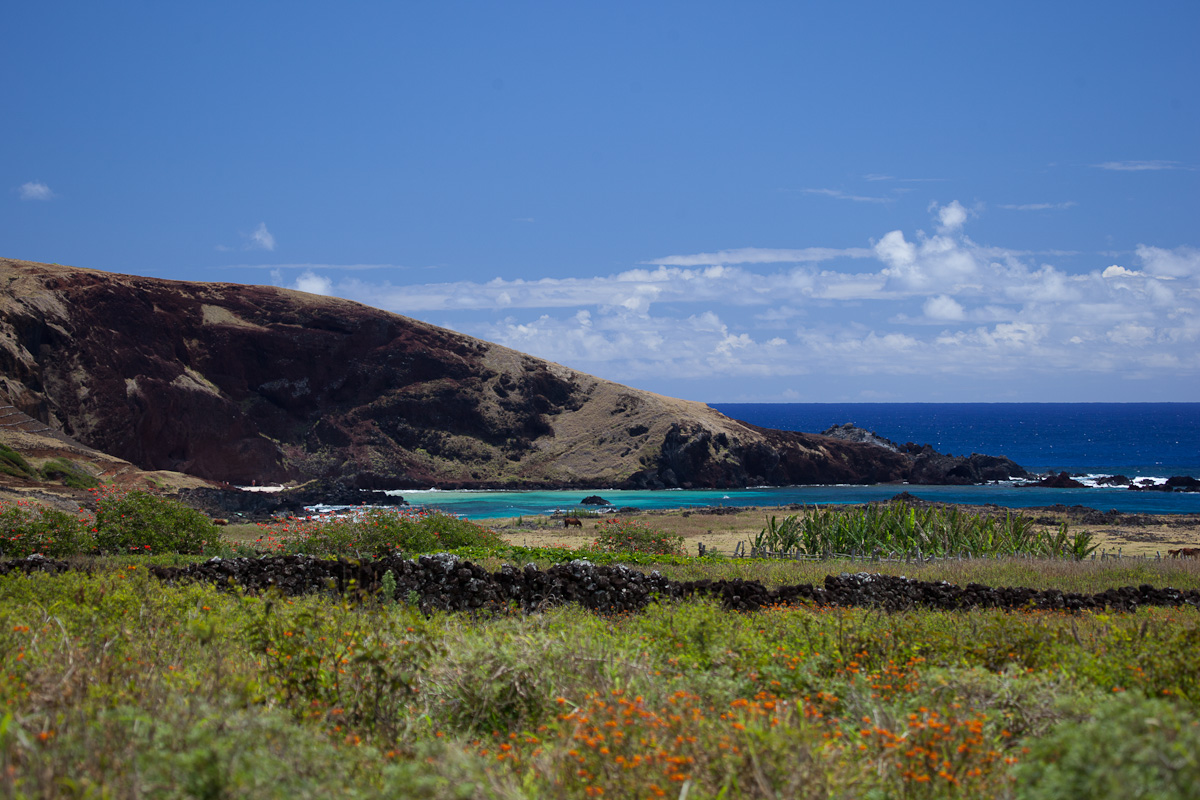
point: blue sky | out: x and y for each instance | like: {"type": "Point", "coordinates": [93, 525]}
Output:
{"type": "Point", "coordinates": [809, 202]}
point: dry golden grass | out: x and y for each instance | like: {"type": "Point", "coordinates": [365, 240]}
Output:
{"type": "Point", "coordinates": [721, 532]}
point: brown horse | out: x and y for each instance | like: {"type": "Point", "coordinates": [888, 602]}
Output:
{"type": "Point", "coordinates": [1185, 552]}
{"type": "Point", "coordinates": [572, 522]}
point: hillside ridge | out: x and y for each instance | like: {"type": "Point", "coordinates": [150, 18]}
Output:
{"type": "Point", "coordinates": [240, 384]}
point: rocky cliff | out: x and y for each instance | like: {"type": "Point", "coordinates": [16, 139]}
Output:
{"type": "Point", "coordinates": [254, 383]}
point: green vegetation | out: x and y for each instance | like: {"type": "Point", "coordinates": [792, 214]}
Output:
{"type": "Point", "coordinates": [114, 685]}
{"type": "Point", "coordinates": [369, 532]}
{"type": "Point", "coordinates": [68, 474]}
{"type": "Point", "coordinates": [141, 522]}
{"type": "Point", "coordinates": [57, 469]}
{"type": "Point", "coordinates": [27, 528]}
{"type": "Point", "coordinates": [933, 531]}
{"type": "Point", "coordinates": [13, 463]}
{"type": "Point", "coordinates": [623, 536]}
{"type": "Point", "coordinates": [132, 522]}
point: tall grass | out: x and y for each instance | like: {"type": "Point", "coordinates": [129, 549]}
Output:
{"type": "Point", "coordinates": [896, 528]}
{"type": "Point", "coordinates": [114, 685]}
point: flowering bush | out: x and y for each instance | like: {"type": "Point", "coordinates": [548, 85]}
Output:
{"type": "Point", "coordinates": [375, 531]}
{"type": "Point", "coordinates": [622, 536]}
{"type": "Point", "coordinates": [27, 528]}
{"type": "Point", "coordinates": [141, 522]}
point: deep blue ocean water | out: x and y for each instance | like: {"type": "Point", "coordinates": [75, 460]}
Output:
{"type": "Point", "coordinates": [1133, 439]}
{"type": "Point", "coordinates": [1148, 439]}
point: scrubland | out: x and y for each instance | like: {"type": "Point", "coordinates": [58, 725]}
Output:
{"type": "Point", "coordinates": [115, 684]}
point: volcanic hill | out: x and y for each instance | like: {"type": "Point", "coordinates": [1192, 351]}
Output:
{"type": "Point", "coordinates": [237, 384]}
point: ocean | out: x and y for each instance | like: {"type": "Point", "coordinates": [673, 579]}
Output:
{"type": "Point", "coordinates": [1132, 439]}
{"type": "Point", "coordinates": [1138, 440]}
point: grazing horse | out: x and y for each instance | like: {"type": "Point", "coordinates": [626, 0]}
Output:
{"type": "Point", "coordinates": [572, 522]}
{"type": "Point", "coordinates": [1185, 552]}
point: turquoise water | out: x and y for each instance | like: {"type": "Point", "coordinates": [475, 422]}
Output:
{"type": "Point", "coordinates": [484, 505]}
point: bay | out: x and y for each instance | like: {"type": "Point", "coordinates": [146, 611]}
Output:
{"type": "Point", "coordinates": [1154, 440]}
{"type": "Point", "coordinates": [486, 505]}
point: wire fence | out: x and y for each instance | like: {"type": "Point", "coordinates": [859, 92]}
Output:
{"type": "Point", "coordinates": [744, 551]}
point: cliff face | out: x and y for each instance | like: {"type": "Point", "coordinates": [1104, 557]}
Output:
{"type": "Point", "coordinates": [252, 383]}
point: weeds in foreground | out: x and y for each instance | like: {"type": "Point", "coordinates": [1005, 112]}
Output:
{"type": "Point", "coordinates": [113, 684]}
{"type": "Point", "coordinates": [623, 536]}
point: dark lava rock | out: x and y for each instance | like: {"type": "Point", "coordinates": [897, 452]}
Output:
{"type": "Point", "coordinates": [1113, 480]}
{"type": "Point", "coordinates": [929, 467]}
{"type": "Point", "coordinates": [909, 499]}
{"type": "Point", "coordinates": [594, 500]}
{"type": "Point", "coordinates": [1060, 481]}
{"type": "Point", "coordinates": [1175, 483]}
{"type": "Point", "coordinates": [717, 511]}
{"type": "Point", "coordinates": [445, 582]}
{"type": "Point", "coordinates": [259, 506]}
{"type": "Point", "coordinates": [933, 468]}
{"type": "Point", "coordinates": [850, 432]}
{"type": "Point", "coordinates": [34, 563]}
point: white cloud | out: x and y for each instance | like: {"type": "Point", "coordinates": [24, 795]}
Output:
{"type": "Point", "coordinates": [775, 313]}
{"type": "Point", "coordinates": [943, 307]}
{"type": "Point", "coordinates": [1140, 166]}
{"type": "Point", "coordinates": [875, 176]}
{"type": "Point", "coordinates": [1041, 206]}
{"type": "Point", "coordinates": [261, 239]}
{"type": "Point", "coordinates": [895, 251]}
{"type": "Point", "coordinates": [760, 255]}
{"type": "Point", "coordinates": [932, 263]}
{"type": "Point", "coordinates": [857, 198]}
{"type": "Point", "coordinates": [951, 217]}
{"type": "Point", "coordinates": [35, 190]}
{"type": "Point", "coordinates": [1182, 262]}
{"type": "Point", "coordinates": [1128, 333]}
{"type": "Point", "coordinates": [313, 283]}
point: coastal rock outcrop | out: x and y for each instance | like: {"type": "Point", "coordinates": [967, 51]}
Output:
{"type": "Point", "coordinates": [259, 506]}
{"type": "Point", "coordinates": [1060, 481]}
{"type": "Point", "coordinates": [931, 467]}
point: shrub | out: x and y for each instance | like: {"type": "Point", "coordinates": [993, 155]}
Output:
{"type": "Point", "coordinates": [144, 523]}
{"type": "Point", "coordinates": [377, 532]}
{"type": "Point", "coordinates": [14, 464]}
{"type": "Point", "coordinates": [623, 536]}
{"type": "Point", "coordinates": [26, 528]}
{"type": "Point", "coordinates": [335, 662]}
{"type": "Point", "coordinates": [72, 475]}
{"type": "Point", "coordinates": [1132, 747]}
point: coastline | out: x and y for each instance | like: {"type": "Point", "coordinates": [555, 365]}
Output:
{"type": "Point", "coordinates": [476, 504]}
